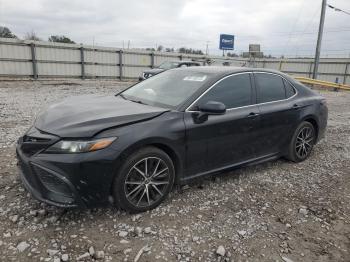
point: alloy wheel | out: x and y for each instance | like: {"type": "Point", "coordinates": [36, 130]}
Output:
{"type": "Point", "coordinates": [304, 142]}
{"type": "Point", "coordinates": [147, 182]}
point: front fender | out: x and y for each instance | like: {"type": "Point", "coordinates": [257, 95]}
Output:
{"type": "Point", "coordinates": [166, 132]}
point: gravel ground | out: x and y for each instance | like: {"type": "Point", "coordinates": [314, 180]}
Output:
{"type": "Point", "coordinates": [277, 211]}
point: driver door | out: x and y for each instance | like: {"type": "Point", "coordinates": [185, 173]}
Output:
{"type": "Point", "coordinates": [227, 139]}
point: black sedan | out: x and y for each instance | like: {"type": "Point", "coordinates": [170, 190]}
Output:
{"type": "Point", "coordinates": [166, 66]}
{"type": "Point", "coordinates": [176, 126]}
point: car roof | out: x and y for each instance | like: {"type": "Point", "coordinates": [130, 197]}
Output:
{"type": "Point", "coordinates": [220, 71]}
{"type": "Point", "coordinates": [226, 69]}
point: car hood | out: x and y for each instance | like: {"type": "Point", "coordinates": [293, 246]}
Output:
{"type": "Point", "coordinates": [85, 116]}
{"type": "Point", "coordinates": [154, 71]}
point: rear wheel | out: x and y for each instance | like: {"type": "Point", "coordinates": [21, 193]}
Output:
{"type": "Point", "coordinates": [302, 142]}
{"type": "Point", "coordinates": [144, 180]}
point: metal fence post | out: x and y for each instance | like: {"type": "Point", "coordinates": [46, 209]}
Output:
{"type": "Point", "coordinates": [310, 69]}
{"type": "Point", "coordinates": [345, 73]}
{"type": "Point", "coordinates": [280, 66]}
{"type": "Point", "coordinates": [82, 62]}
{"type": "Point", "coordinates": [152, 60]}
{"type": "Point", "coordinates": [35, 69]}
{"type": "Point", "coordinates": [120, 64]}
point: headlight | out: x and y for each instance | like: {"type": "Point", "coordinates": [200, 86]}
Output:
{"type": "Point", "coordinates": [68, 146]}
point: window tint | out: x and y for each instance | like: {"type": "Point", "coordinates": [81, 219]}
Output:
{"type": "Point", "coordinates": [289, 89]}
{"type": "Point", "coordinates": [271, 87]}
{"type": "Point", "coordinates": [234, 91]}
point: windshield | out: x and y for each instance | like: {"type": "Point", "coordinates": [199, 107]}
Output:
{"type": "Point", "coordinates": [168, 89]}
{"type": "Point", "coordinates": [169, 65]}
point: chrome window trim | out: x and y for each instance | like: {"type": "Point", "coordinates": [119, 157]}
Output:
{"type": "Point", "coordinates": [240, 73]}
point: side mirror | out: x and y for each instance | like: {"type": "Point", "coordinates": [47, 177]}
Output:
{"type": "Point", "coordinates": [213, 108]}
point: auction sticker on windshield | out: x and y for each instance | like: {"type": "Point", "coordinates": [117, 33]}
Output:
{"type": "Point", "coordinates": [195, 78]}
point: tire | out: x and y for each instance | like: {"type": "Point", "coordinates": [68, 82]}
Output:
{"type": "Point", "coordinates": [136, 190]}
{"type": "Point", "coordinates": [302, 142]}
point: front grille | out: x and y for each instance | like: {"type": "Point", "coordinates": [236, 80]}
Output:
{"type": "Point", "coordinates": [31, 149]}
{"type": "Point", "coordinates": [35, 141]}
{"type": "Point", "coordinates": [52, 182]}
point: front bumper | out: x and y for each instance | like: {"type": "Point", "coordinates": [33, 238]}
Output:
{"type": "Point", "coordinates": [67, 180]}
{"type": "Point", "coordinates": [54, 189]}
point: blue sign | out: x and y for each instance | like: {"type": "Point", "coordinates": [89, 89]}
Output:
{"type": "Point", "coordinates": [227, 42]}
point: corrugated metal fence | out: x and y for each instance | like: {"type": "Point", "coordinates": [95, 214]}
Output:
{"type": "Point", "coordinates": [38, 59]}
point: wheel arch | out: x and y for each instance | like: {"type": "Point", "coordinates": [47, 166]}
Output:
{"type": "Point", "coordinates": [312, 120]}
{"type": "Point", "coordinates": [162, 144]}
{"type": "Point", "coordinates": [173, 156]}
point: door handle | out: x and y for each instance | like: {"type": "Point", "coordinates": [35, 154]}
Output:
{"type": "Point", "coordinates": [296, 106]}
{"type": "Point", "coordinates": [252, 115]}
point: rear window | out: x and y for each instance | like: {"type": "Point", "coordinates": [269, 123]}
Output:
{"type": "Point", "coordinates": [270, 87]}
{"type": "Point", "coordinates": [290, 91]}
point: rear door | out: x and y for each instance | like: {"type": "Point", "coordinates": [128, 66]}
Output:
{"type": "Point", "coordinates": [279, 113]}
{"type": "Point", "coordinates": [223, 140]}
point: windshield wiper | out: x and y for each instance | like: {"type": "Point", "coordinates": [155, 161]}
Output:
{"type": "Point", "coordinates": [122, 96]}
{"type": "Point", "coordinates": [135, 101]}
{"type": "Point", "coordinates": [138, 101]}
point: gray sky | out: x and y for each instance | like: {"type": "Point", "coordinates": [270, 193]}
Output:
{"type": "Point", "coordinates": [281, 26]}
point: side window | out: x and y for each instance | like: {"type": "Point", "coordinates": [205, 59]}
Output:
{"type": "Point", "coordinates": [290, 91]}
{"type": "Point", "coordinates": [270, 87]}
{"type": "Point", "coordinates": [233, 91]}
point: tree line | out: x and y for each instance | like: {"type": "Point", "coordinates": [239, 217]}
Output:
{"type": "Point", "coordinates": [6, 33]}
{"type": "Point", "coordinates": [182, 50]}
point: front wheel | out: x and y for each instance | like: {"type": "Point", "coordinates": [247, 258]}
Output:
{"type": "Point", "coordinates": [144, 180]}
{"type": "Point", "coordinates": [302, 142]}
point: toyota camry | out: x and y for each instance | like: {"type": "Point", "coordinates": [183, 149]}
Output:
{"type": "Point", "coordinates": [182, 124]}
